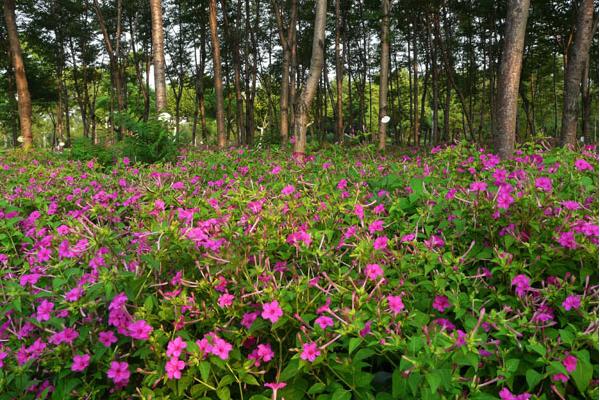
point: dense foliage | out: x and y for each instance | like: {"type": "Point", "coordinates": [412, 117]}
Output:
{"type": "Point", "coordinates": [248, 275]}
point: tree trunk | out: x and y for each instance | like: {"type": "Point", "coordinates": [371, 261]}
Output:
{"type": "Point", "coordinates": [316, 66]}
{"type": "Point", "coordinates": [586, 101]}
{"type": "Point", "coordinates": [384, 72]}
{"type": "Point", "coordinates": [510, 73]}
{"type": "Point", "coordinates": [221, 139]}
{"type": "Point", "coordinates": [435, 86]}
{"type": "Point", "coordinates": [574, 70]}
{"type": "Point", "coordinates": [158, 53]}
{"type": "Point", "coordinates": [24, 100]}
{"type": "Point", "coordinates": [339, 76]}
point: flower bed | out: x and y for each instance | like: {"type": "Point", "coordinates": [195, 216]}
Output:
{"type": "Point", "coordinates": [247, 275]}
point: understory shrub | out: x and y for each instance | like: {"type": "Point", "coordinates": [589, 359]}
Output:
{"type": "Point", "coordinates": [247, 275]}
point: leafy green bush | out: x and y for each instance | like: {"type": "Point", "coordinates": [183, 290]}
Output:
{"type": "Point", "coordinates": [149, 141]}
{"type": "Point", "coordinates": [82, 149]}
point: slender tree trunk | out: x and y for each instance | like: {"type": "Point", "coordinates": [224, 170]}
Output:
{"type": "Point", "coordinates": [221, 138]}
{"type": "Point", "coordinates": [13, 114]}
{"type": "Point", "coordinates": [435, 86]}
{"type": "Point", "coordinates": [24, 100]}
{"type": "Point", "coordinates": [316, 66]}
{"type": "Point", "coordinates": [510, 73]}
{"type": "Point", "coordinates": [158, 47]}
{"type": "Point", "coordinates": [384, 73]}
{"type": "Point", "coordinates": [586, 101]}
{"type": "Point", "coordinates": [339, 75]}
{"type": "Point", "coordinates": [574, 70]}
{"type": "Point", "coordinates": [416, 125]}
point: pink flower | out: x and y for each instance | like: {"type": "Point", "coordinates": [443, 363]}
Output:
{"type": "Point", "coordinates": [583, 165]}
{"type": "Point", "coordinates": [380, 243]}
{"type": "Point", "coordinates": [139, 330]}
{"type": "Point", "coordinates": [560, 378]}
{"type": "Point", "coordinates": [459, 340]}
{"type": "Point", "coordinates": [324, 321]}
{"type": "Point", "coordinates": [544, 183]}
{"type": "Point", "coordinates": [505, 394]}
{"type": "Point", "coordinates": [272, 311]}
{"type": "Point", "coordinates": [310, 352]}
{"type": "Point", "coordinates": [289, 189]}
{"type": "Point", "coordinates": [376, 226]}
{"type": "Point", "coordinates": [276, 385]}
{"type": "Point", "coordinates": [221, 348]}
{"type": "Point", "coordinates": [107, 338]}
{"type": "Point", "coordinates": [407, 238]}
{"type": "Point", "coordinates": [570, 363]}
{"type": "Point", "coordinates": [119, 373]}
{"type": "Point", "coordinates": [373, 271]}
{"type": "Point", "coordinates": [571, 205]}
{"type": "Point", "coordinates": [226, 300]}
{"type": "Point", "coordinates": [572, 302]}
{"type": "Point", "coordinates": [441, 303]}
{"type": "Point", "coordinates": [80, 362]}
{"type": "Point", "coordinates": [3, 355]}
{"type": "Point", "coordinates": [395, 303]}
{"type": "Point", "coordinates": [44, 310]}
{"type": "Point", "coordinates": [175, 347]}
{"type": "Point", "coordinates": [478, 187]}
{"type": "Point", "coordinates": [249, 318]}
{"type": "Point", "coordinates": [262, 353]}
{"type": "Point", "coordinates": [73, 294]}
{"type": "Point", "coordinates": [173, 367]}
{"type": "Point", "coordinates": [359, 211]}
{"type": "Point", "coordinates": [522, 284]}
{"type": "Point", "coordinates": [567, 240]}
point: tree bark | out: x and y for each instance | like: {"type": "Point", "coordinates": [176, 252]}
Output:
{"type": "Point", "coordinates": [574, 70]}
{"type": "Point", "coordinates": [384, 72]}
{"type": "Point", "coordinates": [316, 66]}
{"type": "Point", "coordinates": [510, 73]}
{"type": "Point", "coordinates": [212, 16]}
{"type": "Point", "coordinates": [158, 54]}
{"type": "Point", "coordinates": [24, 100]}
{"type": "Point", "coordinates": [339, 75]}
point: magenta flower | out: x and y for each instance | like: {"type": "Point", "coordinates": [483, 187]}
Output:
{"type": "Point", "coordinates": [505, 394]}
{"type": "Point", "coordinates": [220, 348]}
{"type": "Point", "coordinates": [107, 338]}
{"type": "Point", "coordinates": [478, 187]}
{"type": "Point", "coordinates": [380, 243]}
{"type": "Point", "coordinates": [176, 347]}
{"type": "Point", "coordinates": [119, 373]}
{"type": "Point", "coordinates": [373, 271]}
{"type": "Point", "coordinates": [289, 189]}
{"type": "Point", "coordinates": [80, 362]}
{"type": "Point", "coordinates": [570, 363]}
{"type": "Point", "coordinates": [544, 184]}
{"type": "Point", "coordinates": [459, 339]}
{"type": "Point", "coordinates": [522, 284]}
{"type": "Point", "coordinates": [376, 226]}
{"type": "Point", "coordinates": [276, 385]}
{"type": "Point", "coordinates": [173, 367]}
{"type": "Point", "coordinates": [572, 302]}
{"type": "Point", "coordinates": [560, 378]}
{"type": "Point", "coordinates": [583, 165]}
{"type": "Point", "coordinates": [44, 310]}
{"type": "Point", "coordinates": [139, 330]}
{"type": "Point", "coordinates": [3, 355]}
{"type": "Point", "coordinates": [395, 304]}
{"type": "Point", "coordinates": [73, 294]}
{"type": "Point", "coordinates": [262, 353]}
{"type": "Point", "coordinates": [272, 311]}
{"type": "Point", "coordinates": [324, 321]}
{"type": "Point", "coordinates": [226, 300]}
{"type": "Point", "coordinates": [567, 240]}
{"type": "Point", "coordinates": [441, 303]}
{"type": "Point", "coordinates": [248, 319]}
{"type": "Point", "coordinates": [310, 352]}
{"type": "Point", "coordinates": [408, 238]}
{"type": "Point", "coordinates": [359, 211]}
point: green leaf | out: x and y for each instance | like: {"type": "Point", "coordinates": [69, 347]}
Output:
{"type": "Point", "coordinates": [204, 368]}
{"type": "Point", "coordinates": [354, 342]}
{"type": "Point", "coordinates": [435, 380]}
{"type": "Point", "coordinates": [223, 393]}
{"type": "Point", "coordinates": [533, 378]}
{"type": "Point", "coordinates": [316, 388]}
{"type": "Point", "coordinates": [341, 394]}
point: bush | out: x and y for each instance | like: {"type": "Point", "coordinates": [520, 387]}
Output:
{"type": "Point", "coordinates": [237, 274]}
{"type": "Point", "coordinates": [149, 141]}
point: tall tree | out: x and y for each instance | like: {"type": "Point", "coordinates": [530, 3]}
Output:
{"type": "Point", "coordinates": [574, 71]}
{"type": "Point", "coordinates": [384, 72]}
{"type": "Point", "coordinates": [339, 75]}
{"type": "Point", "coordinates": [24, 98]}
{"type": "Point", "coordinates": [510, 76]}
{"type": "Point", "coordinates": [216, 49]}
{"type": "Point", "coordinates": [316, 66]}
{"type": "Point", "coordinates": [158, 55]}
